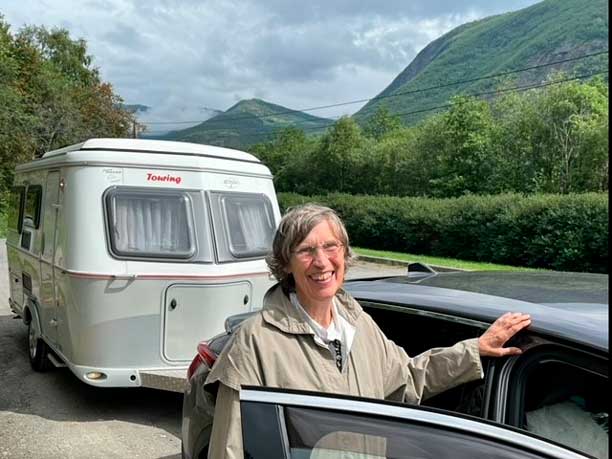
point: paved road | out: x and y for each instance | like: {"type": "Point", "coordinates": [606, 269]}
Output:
{"type": "Point", "coordinates": [54, 415]}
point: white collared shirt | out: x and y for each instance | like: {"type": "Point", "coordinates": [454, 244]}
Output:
{"type": "Point", "coordinates": [339, 330]}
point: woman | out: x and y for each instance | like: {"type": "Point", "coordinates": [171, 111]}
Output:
{"type": "Point", "coordinates": [312, 335]}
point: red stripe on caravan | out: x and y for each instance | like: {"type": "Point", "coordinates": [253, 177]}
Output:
{"type": "Point", "coordinates": [83, 275]}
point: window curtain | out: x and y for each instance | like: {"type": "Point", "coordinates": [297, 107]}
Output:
{"type": "Point", "coordinates": [151, 225]}
{"type": "Point", "coordinates": [254, 226]}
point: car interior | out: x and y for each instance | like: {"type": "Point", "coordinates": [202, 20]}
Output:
{"type": "Point", "coordinates": [426, 332]}
{"type": "Point", "coordinates": [555, 392]}
{"type": "Point", "coordinates": [562, 395]}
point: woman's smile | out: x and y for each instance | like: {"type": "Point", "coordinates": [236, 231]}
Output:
{"type": "Point", "coordinates": [318, 274]}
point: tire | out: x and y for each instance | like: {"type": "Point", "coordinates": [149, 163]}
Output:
{"type": "Point", "coordinates": [37, 349]}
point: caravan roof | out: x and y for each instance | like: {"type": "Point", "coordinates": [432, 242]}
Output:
{"type": "Point", "coordinates": [144, 152]}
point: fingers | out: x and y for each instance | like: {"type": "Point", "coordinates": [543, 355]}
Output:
{"type": "Point", "coordinates": [512, 322]}
{"type": "Point", "coordinates": [513, 318]}
{"type": "Point", "coordinates": [505, 327]}
{"type": "Point", "coordinates": [525, 322]}
{"type": "Point", "coordinates": [504, 351]}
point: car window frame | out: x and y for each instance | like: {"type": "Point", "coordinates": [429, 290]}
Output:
{"type": "Point", "coordinates": [477, 326]}
{"type": "Point", "coordinates": [509, 380]}
{"type": "Point", "coordinates": [438, 419]}
{"type": "Point", "coordinates": [504, 396]}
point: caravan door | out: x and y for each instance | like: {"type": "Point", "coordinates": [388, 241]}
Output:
{"type": "Point", "coordinates": [48, 300]}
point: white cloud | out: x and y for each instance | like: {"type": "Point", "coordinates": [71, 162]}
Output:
{"type": "Point", "coordinates": [181, 56]}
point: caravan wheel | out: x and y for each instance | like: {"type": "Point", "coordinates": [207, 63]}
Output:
{"type": "Point", "coordinates": [37, 349]}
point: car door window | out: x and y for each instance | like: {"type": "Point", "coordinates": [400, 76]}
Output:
{"type": "Point", "coordinates": [429, 330]}
{"type": "Point", "coordinates": [353, 429]}
{"type": "Point", "coordinates": [562, 396]}
{"type": "Point", "coordinates": [318, 434]}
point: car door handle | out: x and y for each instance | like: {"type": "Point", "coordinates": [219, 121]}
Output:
{"type": "Point", "coordinates": [53, 323]}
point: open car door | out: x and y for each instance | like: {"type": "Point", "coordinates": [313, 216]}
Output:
{"type": "Point", "coordinates": [282, 424]}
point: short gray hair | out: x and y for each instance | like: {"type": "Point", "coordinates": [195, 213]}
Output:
{"type": "Point", "coordinates": [295, 225]}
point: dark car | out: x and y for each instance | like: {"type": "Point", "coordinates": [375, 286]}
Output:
{"type": "Point", "coordinates": [551, 401]}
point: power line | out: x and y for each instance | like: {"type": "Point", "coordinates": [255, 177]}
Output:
{"type": "Point", "coordinates": [439, 107]}
{"type": "Point", "coordinates": [399, 94]}
{"type": "Point", "coordinates": [505, 90]}
{"type": "Point", "coordinates": [259, 132]}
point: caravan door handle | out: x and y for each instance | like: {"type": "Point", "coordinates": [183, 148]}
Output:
{"type": "Point", "coordinates": [173, 304]}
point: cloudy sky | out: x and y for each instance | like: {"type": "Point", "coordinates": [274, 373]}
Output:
{"type": "Point", "coordinates": [184, 57]}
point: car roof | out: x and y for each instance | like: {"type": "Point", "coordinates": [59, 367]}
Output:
{"type": "Point", "coordinates": [570, 306]}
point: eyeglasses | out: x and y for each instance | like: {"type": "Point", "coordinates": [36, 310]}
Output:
{"type": "Point", "coordinates": [330, 249]}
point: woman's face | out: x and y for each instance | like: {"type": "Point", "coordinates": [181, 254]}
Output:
{"type": "Point", "coordinates": [317, 265]}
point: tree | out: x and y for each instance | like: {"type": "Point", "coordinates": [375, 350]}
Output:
{"type": "Point", "coordinates": [381, 123]}
{"type": "Point", "coordinates": [337, 158]}
{"type": "Point", "coordinates": [574, 116]}
{"type": "Point", "coordinates": [287, 156]}
{"type": "Point", "coordinates": [51, 96]}
{"type": "Point", "coordinates": [15, 123]}
{"type": "Point", "coordinates": [65, 96]}
{"type": "Point", "coordinates": [555, 140]}
{"type": "Point", "coordinates": [462, 161]}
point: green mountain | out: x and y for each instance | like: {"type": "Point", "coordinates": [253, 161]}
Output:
{"type": "Point", "coordinates": [550, 31]}
{"type": "Point", "coordinates": [248, 122]}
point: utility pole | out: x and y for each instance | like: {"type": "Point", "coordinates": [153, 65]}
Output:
{"type": "Point", "coordinates": [134, 131]}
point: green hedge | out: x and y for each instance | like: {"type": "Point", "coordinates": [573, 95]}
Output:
{"type": "Point", "coordinates": [560, 232]}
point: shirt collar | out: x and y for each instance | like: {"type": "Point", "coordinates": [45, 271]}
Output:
{"type": "Point", "coordinates": [324, 335]}
{"type": "Point", "coordinates": [280, 313]}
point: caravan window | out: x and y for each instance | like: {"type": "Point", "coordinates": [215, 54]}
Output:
{"type": "Point", "coordinates": [15, 208]}
{"type": "Point", "coordinates": [150, 223]}
{"type": "Point", "coordinates": [31, 214]}
{"type": "Point", "coordinates": [248, 223]}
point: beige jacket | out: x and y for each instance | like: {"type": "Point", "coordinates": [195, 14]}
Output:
{"type": "Point", "coordinates": [276, 349]}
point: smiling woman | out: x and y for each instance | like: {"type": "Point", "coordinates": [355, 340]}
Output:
{"type": "Point", "coordinates": [315, 268]}
{"type": "Point", "coordinates": [312, 335]}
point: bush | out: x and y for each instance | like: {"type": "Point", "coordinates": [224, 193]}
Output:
{"type": "Point", "coordinates": [560, 232]}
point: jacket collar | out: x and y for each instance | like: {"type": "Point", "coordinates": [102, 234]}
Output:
{"type": "Point", "coordinates": [280, 313]}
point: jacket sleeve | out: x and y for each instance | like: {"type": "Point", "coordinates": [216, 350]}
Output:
{"type": "Point", "coordinates": [226, 435]}
{"type": "Point", "coordinates": [413, 380]}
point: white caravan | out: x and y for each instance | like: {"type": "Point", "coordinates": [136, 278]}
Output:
{"type": "Point", "coordinates": [123, 254]}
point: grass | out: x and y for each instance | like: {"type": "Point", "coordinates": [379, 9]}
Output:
{"type": "Point", "coordinates": [438, 261]}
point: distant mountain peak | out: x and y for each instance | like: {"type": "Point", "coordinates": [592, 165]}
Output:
{"type": "Point", "coordinates": [249, 121]}
{"type": "Point", "coordinates": [549, 31]}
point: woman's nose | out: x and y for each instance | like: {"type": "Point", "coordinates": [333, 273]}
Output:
{"type": "Point", "coordinates": [319, 257]}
